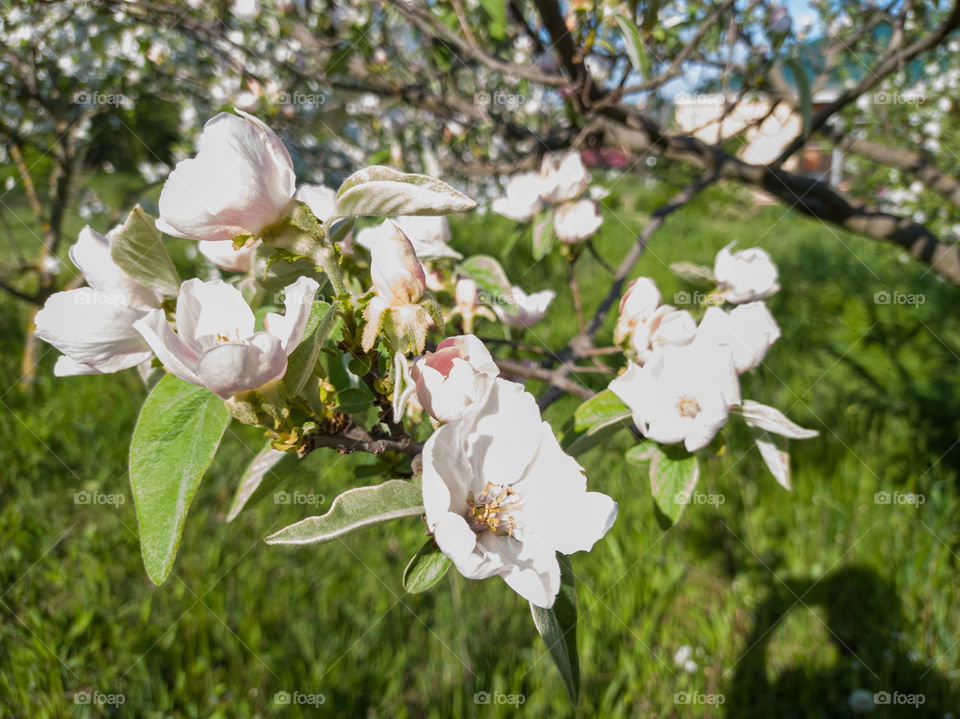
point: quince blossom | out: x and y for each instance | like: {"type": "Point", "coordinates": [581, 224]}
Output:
{"type": "Point", "coordinates": [577, 221]}
{"type": "Point", "coordinates": [521, 197]}
{"type": "Point", "coordinates": [502, 498]}
{"type": "Point", "coordinates": [745, 275]}
{"type": "Point", "coordinates": [749, 330]}
{"type": "Point", "coordinates": [215, 345]}
{"type": "Point", "coordinates": [682, 393]}
{"type": "Point", "coordinates": [93, 326]}
{"type": "Point", "coordinates": [525, 310]}
{"type": "Point", "coordinates": [458, 375]}
{"type": "Point", "coordinates": [564, 177]}
{"type": "Point", "coordinates": [240, 182]}
{"type": "Point", "coordinates": [399, 282]}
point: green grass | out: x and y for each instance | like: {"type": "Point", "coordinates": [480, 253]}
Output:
{"type": "Point", "coordinates": [789, 600]}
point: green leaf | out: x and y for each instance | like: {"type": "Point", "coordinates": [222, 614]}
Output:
{"type": "Point", "coordinates": [355, 509]}
{"type": "Point", "coordinates": [634, 45]}
{"type": "Point", "coordinates": [353, 400]}
{"type": "Point", "coordinates": [594, 422]}
{"type": "Point", "coordinates": [673, 476]}
{"type": "Point", "coordinates": [302, 361]}
{"type": "Point", "coordinates": [543, 235]}
{"type": "Point", "coordinates": [600, 409]}
{"type": "Point", "coordinates": [176, 436]}
{"type": "Point", "coordinates": [138, 250]}
{"type": "Point", "coordinates": [497, 13]}
{"type": "Point", "coordinates": [490, 278]}
{"type": "Point", "coordinates": [803, 89]}
{"type": "Point", "coordinates": [558, 628]}
{"type": "Point", "coordinates": [383, 191]}
{"type": "Point", "coordinates": [425, 568]}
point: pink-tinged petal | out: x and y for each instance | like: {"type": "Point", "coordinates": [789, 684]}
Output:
{"type": "Point", "coordinates": [240, 182]}
{"type": "Point", "coordinates": [503, 434]}
{"type": "Point", "coordinates": [288, 328]}
{"type": "Point", "coordinates": [171, 350]}
{"type": "Point", "coordinates": [93, 329]}
{"type": "Point", "coordinates": [230, 368]}
{"type": "Point", "coordinates": [395, 271]}
{"type": "Point", "coordinates": [212, 312]}
{"type": "Point", "coordinates": [562, 513]}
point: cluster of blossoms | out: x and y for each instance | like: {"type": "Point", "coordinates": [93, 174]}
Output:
{"type": "Point", "coordinates": [682, 378]}
{"type": "Point", "coordinates": [499, 494]}
{"type": "Point", "coordinates": [560, 184]}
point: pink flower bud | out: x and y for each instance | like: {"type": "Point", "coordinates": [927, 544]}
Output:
{"type": "Point", "coordinates": [460, 373]}
{"type": "Point", "coordinates": [394, 268]}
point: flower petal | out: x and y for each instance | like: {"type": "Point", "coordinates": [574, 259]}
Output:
{"type": "Point", "coordinates": [557, 508]}
{"type": "Point", "coordinates": [208, 312]}
{"type": "Point", "coordinates": [503, 434]}
{"type": "Point", "coordinates": [93, 329]}
{"type": "Point", "coordinates": [178, 357]}
{"type": "Point", "coordinates": [288, 328]}
{"type": "Point", "coordinates": [230, 368]}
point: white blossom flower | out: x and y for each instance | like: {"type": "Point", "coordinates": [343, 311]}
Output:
{"type": "Point", "coordinates": [665, 326]}
{"type": "Point", "coordinates": [565, 177]}
{"type": "Point", "coordinates": [502, 498]}
{"type": "Point", "coordinates": [682, 394]}
{"type": "Point", "coordinates": [745, 275]}
{"type": "Point", "coordinates": [459, 374]}
{"type": "Point", "coordinates": [93, 326]}
{"type": "Point", "coordinates": [749, 330]}
{"type": "Point", "coordinates": [637, 306]}
{"type": "Point", "coordinates": [526, 310]}
{"type": "Point", "coordinates": [240, 182]}
{"type": "Point", "coordinates": [521, 197]}
{"type": "Point", "coordinates": [577, 221]}
{"type": "Point", "coordinates": [215, 345]}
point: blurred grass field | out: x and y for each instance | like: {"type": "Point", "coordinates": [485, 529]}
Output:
{"type": "Point", "coordinates": [787, 601]}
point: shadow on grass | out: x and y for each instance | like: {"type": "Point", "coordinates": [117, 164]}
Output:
{"type": "Point", "coordinates": [863, 617]}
